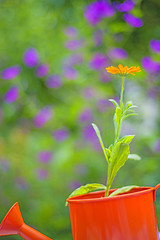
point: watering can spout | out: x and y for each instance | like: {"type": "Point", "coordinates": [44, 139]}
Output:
{"type": "Point", "coordinates": [13, 224]}
{"type": "Point", "coordinates": [12, 221]}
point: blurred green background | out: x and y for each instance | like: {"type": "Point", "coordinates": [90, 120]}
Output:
{"type": "Point", "coordinates": [53, 86]}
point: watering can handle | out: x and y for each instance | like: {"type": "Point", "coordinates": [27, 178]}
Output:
{"type": "Point", "coordinates": [155, 190]}
{"type": "Point", "coordinates": [29, 233]}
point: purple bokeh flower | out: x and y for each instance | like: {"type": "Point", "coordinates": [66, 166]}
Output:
{"type": "Point", "coordinates": [45, 156]}
{"type": "Point", "coordinates": [21, 183]}
{"type": "Point", "coordinates": [118, 37]}
{"type": "Point", "coordinates": [132, 20]}
{"type": "Point", "coordinates": [151, 77]}
{"type": "Point", "coordinates": [1, 115]}
{"type": "Point", "coordinates": [118, 53]}
{"type": "Point", "coordinates": [42, 70]}
{"type": "Point", "coordinates": [128, 129]}
{"type": "Point", "coordinates": [98, 37]}
{"type": "Point", "coordinates": [4, 165]}
{"type": "Point", "coordinates": [95, 11]}
{"type": "Point", "coordinates": [11, 72]}
{"type": "Point", "coordinates": [150, 65]}
{"type": "Point", "coordinates": [42, 117]}
{"type": "Point", "coordinates": [98, 61]}
{"type": "Point", "coordinates": [31, 57]}
{"type": "Point", "coordinates": [74, 185]}
{"type": "Point", "coordinates": [54, 81]}
{"type": "Point", "coordinates": [74, 44]}
{"type": "Point", "coordinates": [71, 32]}
{"type": "Point", "coordinates": [89, 92]}
{"type": "Point", "coordinates": [61, 134]}
{"type": "Point", "coordinates": [126, 6]}
{"type": "Point", "coordinates": [42, 173]}
{"type": "Point", "coordinates": [155, 45]}
{"type": "Point", "coordinates": [86, 115]}
{"type": "Point", "coordinates": [96, 146]}
{"type": "Point", "coordinates": [74, 59]}
{"type": "Point", "coordinates": [104, 76]}
{"type": "Point", "coordinates": [89, 135]}
{"type": "Point", "coordinates": [80, 169]}
{"type": "Point", "coordinates": [70, 73]}
{"type": "Point", "coordinates": [157, 145]}
{"type": "Point", "coordinates": [11, 95]}
{"type": "Point", "coordinates": [154, 92]}
{"type": "Point", "coordinates": [102, 105]}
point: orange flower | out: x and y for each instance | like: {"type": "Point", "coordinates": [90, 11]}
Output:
{"type": "Point", "coordinates": [123, 70]}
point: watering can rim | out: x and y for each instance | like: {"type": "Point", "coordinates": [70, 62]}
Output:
{"type": "Point", "coordinates": [78, 199]}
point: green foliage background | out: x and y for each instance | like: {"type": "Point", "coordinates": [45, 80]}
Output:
{"type": "Point", "coordinates": [40, 24]}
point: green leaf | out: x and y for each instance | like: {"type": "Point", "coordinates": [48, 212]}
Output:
{"type": "Point", "coordinates": [129, 104]}
{"type": "Point", "coordinates": [118, 115]}
{"type": "Point", "coordinates": [109, 152]}
{"type": "Point", "coordinates": [100, 139]}
{"type": "Point", "coordinates": [86, 189]}
{"type": "Point", "coordinates": [123, 190]}
{"type": "Point", "coordinates": [128, 115]}
{"type": "Point", "coordinates": [134, 157]}
{"type": "Point", "coordinates": [130, 111]}
{"type": "Point", "coordinates": [114, 102]}
{"type": "Point", "coordinates": [127, 139]}
{"type": "Point", "coordinates": [118, 158]}
{"type": "Point", "coordinates": [111, 147]}
{"type": "Point", "coordinates": [133, 106]}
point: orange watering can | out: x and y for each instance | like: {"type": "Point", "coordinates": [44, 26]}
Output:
{"type": "Point", "coordinates": [13, 224]}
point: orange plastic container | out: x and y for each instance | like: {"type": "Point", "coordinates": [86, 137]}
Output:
{"type": "Point", "coordinates": [129, 216]}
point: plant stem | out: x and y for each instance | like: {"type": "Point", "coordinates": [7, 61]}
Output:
{"type": "Point", "coordinates": [122, 110]}
{"type": "Point", "coordinates": [117, 134]}
{"type": "Point", "coordinates": [107, 183]}
{"type": "Point", "coordinates": [107, 191]}
{"type": "Point", "coordinates": [121, 99]}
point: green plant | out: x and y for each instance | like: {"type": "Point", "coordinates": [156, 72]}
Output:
{"type": "Point", "coordinates": [117, 153]}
